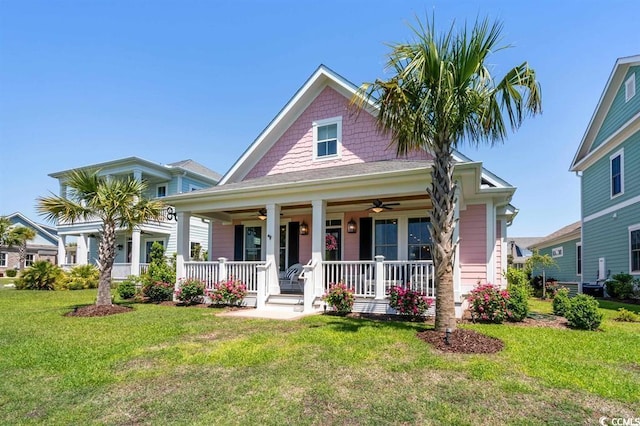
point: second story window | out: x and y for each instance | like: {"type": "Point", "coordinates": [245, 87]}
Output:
{"type": "Point", "coordinates": [161, 191]}
{"type": "Point", "coordinates": [327, 138]}
{"type": "Point", "coordinates": [630, 88]}
{"type": "Point", "coordinates": [617, 173]}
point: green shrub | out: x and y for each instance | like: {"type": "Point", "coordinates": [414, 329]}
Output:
{"type": "Point", "coordinates": [129, 287]}
{"type": "Point", "coordinates": [190, 291]}
{"type": "Point", "coordinates": [159, 270]}
{"type": "Point", "coordinates": [627, 316]}
{"type": "Point", "coordinates": [561, 302]}
{"type": "Point", "coordinates": [158, 291]}
{"type": "Point", "coordinates": [620, 286]}
{"type": "Point", "coordinates": [340, 298]}
{"type": "Point", "coordinates": [229, 292]}
{"type": "Point", "coordinates": [82, 277]}
{"type": "Point", "coordinates": [409, 302]}
{"type": "Point", "coordinates": [42, 275]}
{"type": "Point", "coordinates": [583, 313]}
{"type": "Point", "coordinates": [518, 303]}
{"type": "Point", "coordinates": [12, 273]}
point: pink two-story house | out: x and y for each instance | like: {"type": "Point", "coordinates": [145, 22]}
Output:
{"type": "Point", "coordinates": [321, 187]}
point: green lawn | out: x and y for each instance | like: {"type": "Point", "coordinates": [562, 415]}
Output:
{"type": "Point", "coordinates": [168, 365]}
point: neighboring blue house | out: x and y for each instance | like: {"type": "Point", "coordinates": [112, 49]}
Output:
{"type": "Point", "coordinates": [133, 248]}
{"type": "Point", "coordinates": [608, 162]}
{"type": "Point", "coordinates": [42, 247]}
{"type": "Point", "coordinates": [565, 248]}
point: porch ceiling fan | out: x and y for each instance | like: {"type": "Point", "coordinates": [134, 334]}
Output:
{"type": "Point", "coordinates": [378, 206]}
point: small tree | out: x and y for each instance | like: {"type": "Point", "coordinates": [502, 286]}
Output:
{"type": "Point", "coordinates": [544, 262]}
{"type": "Point", "coordinates": [159, 270]}
{"type": "Point", "coordinates": [19, 236]}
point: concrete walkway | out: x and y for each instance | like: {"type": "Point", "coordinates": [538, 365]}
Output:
{"type": "Point", "coordinates": [266, 314]}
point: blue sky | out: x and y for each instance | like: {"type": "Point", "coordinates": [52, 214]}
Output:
{"type": "Point", "coordinates": [83, 82]}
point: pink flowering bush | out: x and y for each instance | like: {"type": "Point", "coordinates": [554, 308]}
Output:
{"type": "Point", "coordinates": [229, 292]}
{"type": "Point", "coordinates": [408, 302]}
{"type": "Point", "coordinates": [340, 298]}
{"type": "Point", "coordinates": [489, 303]}
{"type": "Point", "coordinates": [157, 291]}
{"type": "Point", "coordinates": [190, 291]}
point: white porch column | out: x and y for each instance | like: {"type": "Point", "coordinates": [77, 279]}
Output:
{"type": "Point", "coordinates": [82, 253]}
{"type": "Point", "coordinates": [457, 280]}
{"type": "Point", "coordinates": [135, 252]}
{"type": "Point", "coordinates": [184, 219]}
{"type": "Point", "coordinates": [491, 242]}
{"type": "Point", "coordinates": [210, 240]}
{"type": "Point", "coordinates": [272, 247]}
{"type": "Point", "coordinates": [62, 250]}
{"type": "Point", "coordinates": [381, 291]}
{"type": "Point", "coordinates": [318, 244]}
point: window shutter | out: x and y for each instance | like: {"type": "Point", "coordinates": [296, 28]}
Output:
{"type": "Point", "coordinates": [238, 243]}
{"type": "Point", "coordinates": [294, 243]}
{"type": "Point", "coordinates": [366, 228]}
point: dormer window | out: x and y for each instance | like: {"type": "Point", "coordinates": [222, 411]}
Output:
{"type": "Point", "coordinates": [630, 87]}
{"type": "Point", "coordinates": [161, 191]}
{"type": "Point", "coordinates": [327, 138]}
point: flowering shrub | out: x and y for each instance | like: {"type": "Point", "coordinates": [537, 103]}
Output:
{"type": "Point", "coordinates": [190, 291]}
{"type": "Point", "coordinates": [229, 292]}
{"type": "Point", "coordinates": [330, 241]}
{"type": "Point", "coordinates": [158, 291]}
{"type": "Point", "coordinates": [340, 298]}
{"type": "Point", "coordinates": [489, 303]}
{"type": "Point", "coordinates": [408, 302]}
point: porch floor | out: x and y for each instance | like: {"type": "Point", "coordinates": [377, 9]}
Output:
{"type": "Point", "coordinates": [266, 314]}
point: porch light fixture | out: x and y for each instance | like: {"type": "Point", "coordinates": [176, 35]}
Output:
{"type": "Point", "coordinates": [377, 209]}
{"type": "Point", "coordinates": [351, 226]}
{"type": "Point", "coordinates": [304, 228]}
{"type": "Point", "coordinates": [120, 247]}
{"type": "Point", "coordinates": [262, 214]}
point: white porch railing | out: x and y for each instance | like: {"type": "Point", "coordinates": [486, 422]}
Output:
{"type": "Point", "coordinates": [120, 271]}
{"type": "Point", "coordinates": [373, 278]}
{"type": "Point", "coordinates": [213, 272]}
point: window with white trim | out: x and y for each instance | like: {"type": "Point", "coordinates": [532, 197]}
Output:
{"type": "Point", "coordinates": [578, 258]}
{"type": "Point", "coordinates": [557, 252]}
{"type": "Point", "coordinates": [634, 249]}
{"type": "Point", "coordinates": [617, 173]}
{"type": "Point", "coordinates": [3, 260]}
{"type": "Point", "coordinates": [161, 191]}
{"type": "Point", "coordinates": [327, 138]}
{"type": "Point", "coordinates": [386, 238]}
{"type": "Point", "coordinates": [28, 261]}
{"type": "Point", "coordinates": [630, 87]}
{"type": "Point", "coordinates": [419, 238]}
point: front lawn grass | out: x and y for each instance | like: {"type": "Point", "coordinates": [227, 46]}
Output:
{"type": "Point", "coordinates": [174, 365]}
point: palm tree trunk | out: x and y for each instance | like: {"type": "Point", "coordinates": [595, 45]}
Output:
{"type": "Point", "coordinates": [107, 253]}
{"type": "Point", "coordinates": [22, 254]}
{"type": "Point", "coordinates": [442, 193]}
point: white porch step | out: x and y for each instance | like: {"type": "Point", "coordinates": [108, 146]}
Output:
{"type": "Point", "coordinates": [288, 302]}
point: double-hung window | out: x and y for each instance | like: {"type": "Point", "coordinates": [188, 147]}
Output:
{"type": "Point", "coordinates": [3, 259]}
{"type": "Point", "coordinates": [327, 138]}
{"type": "Point", "coordinates": [634, 248]}
{"type": "Point", "coordinates": [617, 173]}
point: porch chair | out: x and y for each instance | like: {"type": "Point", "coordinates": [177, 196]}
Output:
{"type": "Point", "coordinates": [291, 276]}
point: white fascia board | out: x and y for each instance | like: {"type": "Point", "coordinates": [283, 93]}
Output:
{"type": "Point", "coordinates": [618, 137]}
{"type": "Point", "coordinates": [602, 107]}
{"type": "Point", "coordinates": [322, 77]}
{"type": "Point", "coordinates": [559, 240]}
{"type": "Point", "coordinates": [121, 163]}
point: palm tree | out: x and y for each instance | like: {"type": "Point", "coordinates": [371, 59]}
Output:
{"type": "Point", "coordinates": [5, 227]}
{"type": "Point", "coordinates": [441, 94]}
{"type": "Point", "coordinates": [19, 236]}
{"type": "Point", "coordinates": [118, 203]}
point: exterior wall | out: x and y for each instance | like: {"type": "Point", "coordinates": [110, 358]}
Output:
{"type": "Point", "coordinates": [189, 181]}
{"type": "Point", "coordinates": [199, 233]}
{"type": "Point", "coordinates": [608, 237]}
{"type": "Point", "coordinates": [361, 142]}
{"type": "Point", "coordinates": [222, 241]}
{"type": "Point", "coordinates": [351, 249]}
{"type": "Point", "coordinates": [473, 246]}
{"type": "Point", "coordinates": [172, 186]}
{"type": "Point", "coordinates": [13, 258]}
{"type": "Point", "coordinates": [596, 180]}
{"type": "Point", "coordinates": [566, 270]}
{"type": "Point", "coordinates": [620, 111]}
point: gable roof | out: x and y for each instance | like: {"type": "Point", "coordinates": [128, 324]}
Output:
{"type": "Point", "coordinates": [585, 156]}
{"type": "Point", "coordinates": [569, 232]}
{"type": "Point", "coordinates": [44, 230]}
{"type": "Point", "coordinates": [188, 166]}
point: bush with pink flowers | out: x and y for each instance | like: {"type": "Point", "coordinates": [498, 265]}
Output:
{"type": "Point", "coordinates": [340, 298]}
{"type": "Point", "coordinates": [229, 292]}
{"type": "Point", "coordinates": [409, 302]}
{"type": "Point", "coordinates": [490, 303]}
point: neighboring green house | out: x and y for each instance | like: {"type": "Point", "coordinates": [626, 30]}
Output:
{"type": "Point", "coordinates": [608, 163]}
{"type": "Point", "coordinates": [565, 248]}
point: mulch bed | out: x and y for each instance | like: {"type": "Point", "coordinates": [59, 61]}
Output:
{"type": "Point", "coordinates": [98, 311]}
{"type": "Point", "coordinates": [462, 341]}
